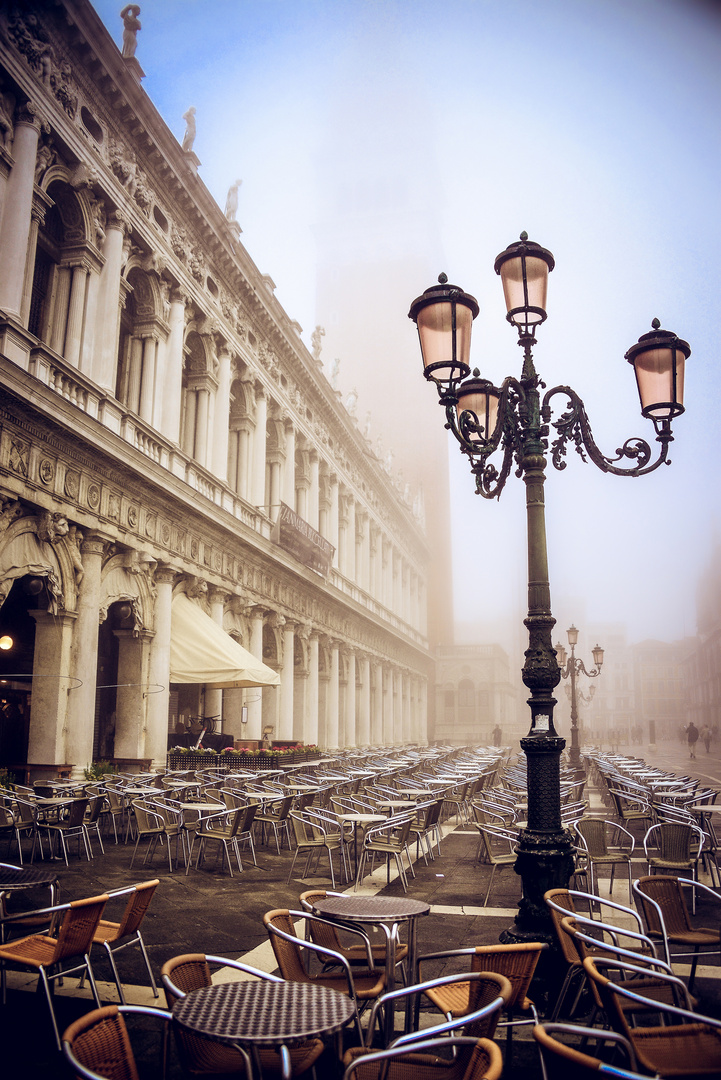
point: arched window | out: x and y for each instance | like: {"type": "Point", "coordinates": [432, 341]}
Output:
{"type": "Point", "coordinates": [140, 331]}
{"type": "Point", "coordinates": [63, 261]}
{"type": "Point", "coordinates": [199, 386]}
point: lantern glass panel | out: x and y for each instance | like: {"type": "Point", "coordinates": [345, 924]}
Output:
{"type": "Point", "coordinates": [484, 403]}
{"type": "Point", "coordinates": [537, 287]}
{"type": "Point", "coordinates": [435, 328]}
{"type": "Point", "coordinates": [654, 375]}
{"type": "Point", "coordinates": [572, 636]}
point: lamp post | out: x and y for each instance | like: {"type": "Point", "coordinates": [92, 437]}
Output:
{"type": "Point", "coordinates": [513, 420]}
{"type": "Point", "coordinates": [570, 668]}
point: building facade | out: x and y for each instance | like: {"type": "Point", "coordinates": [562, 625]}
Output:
{"type": "Point", "coordinates": [165, 430]}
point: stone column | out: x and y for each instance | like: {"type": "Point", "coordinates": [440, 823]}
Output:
{"type": "Point", "coordinates": [60, 309]}
{"type": "Point", "coordinates": [190, 401]}
{"type": "Point", "coordinates": [314, 492]}
{"type": "Point", "coordinates": [388, 717]}
{"type": "Point", "coordinates": [17, 211]}
{"type": "Point", "coordinates": [310, 720]}
{"type": "Point", "coordinates": [107, 320]}
{"type": "Point", "coordinates": [377, 719]}
{"type": "Point", "coordinates": [257, 495]}
{"type": "Point", "coordinates": [285, 717]}
{"type": "Point", "coordinates": [255, 704]}
{"type": "Point", "coordinates": [158, 700]}
{"type": "Point", "coordinates": [406, 707]}
{"type": "Point", "coordinates": [363, 726]}
{"type": "Point", "coordinates": [288, 495]}
{"type": "Point", "coordinates": [349, 725]}
{"type": "Point", "coordinates": [274, 490]}
{"type": "Point", "coordinates": [173, 382]}
{"type": "Point", "coordinates": [214, 697]}
{"type": "Point", "coordinates": [130, 702]}
{"type": "Point", "coordinates": [135, 374]}
{"type": "Point", "coordinates": [76, 311]}
{"type": "Point", "coordinates": [364, 574]}
{"type": "Point", "coordinates": [331, 731]}
{"type": "Point", "coordinates": [52, 705]}
{"type": "Point", "coordinates": [41, 204]}
{"type": "Point", "coordinates": [85, 656]}
{"type": "Point", "coordinates": [201, 425]}
{"type": "Point", "coordinates": [350, 559]}
{"type": "Point", "coordinates": [221, 419]}
{"type": "Point", "coordinates": [333, 525]}
{"type": "Point", "coordinates": [147, 384]}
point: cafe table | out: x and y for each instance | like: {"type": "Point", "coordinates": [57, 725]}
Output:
{"type": "Point", "coordinates": [359, 819]}
{"type": "Point", "coordinates": [387, 912]}
{"type": "Point", "coordinates": [255, 1014]}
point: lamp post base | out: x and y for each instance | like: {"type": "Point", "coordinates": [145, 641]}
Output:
{"type": "Point", "coordinates": [545, 861]}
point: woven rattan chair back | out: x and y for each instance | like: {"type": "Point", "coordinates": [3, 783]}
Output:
{"type": "Point", "coordinates": [100, 1041]}
{"type": "Point", "coordinates": [668, 894]}
{"type": "Point", "coordinates": [287, 953]}
{"type": "Point", "coordinates": [560, 904]}
{"type": "Point", "coordinates": [75, 936]}
{"type": "Point", "coordinates": [516, 962]}
{"type": "Point", "coordinates": [593, 831]}
{"type": "Point", "coordinates": [136, 908]}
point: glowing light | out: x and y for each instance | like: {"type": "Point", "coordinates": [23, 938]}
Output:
{"type": "Point", "coordinates": [6, 642]}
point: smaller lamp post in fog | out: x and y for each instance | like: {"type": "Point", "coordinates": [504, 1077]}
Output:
{"type": "Point", "coordinates": [512, 423]}
{"type": "Point", "coordinates": [571, 666]}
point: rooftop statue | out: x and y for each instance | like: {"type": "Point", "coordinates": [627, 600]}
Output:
{"type": "Point", "coordinates": [131, 25]}
{"type": "Point", "coordinates": [231, 203]}
{"type": "Point", "coordinates": [189, 137]}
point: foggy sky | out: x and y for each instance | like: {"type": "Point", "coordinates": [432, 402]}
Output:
{"type": "Point", "coordinates": [593, 125]}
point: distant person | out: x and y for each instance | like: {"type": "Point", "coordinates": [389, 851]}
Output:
{"type": "Point", "coordinates": [706, 737]}
{"type": "Point", "coordinates": [692, 738]}
{"type": "Point", "coordinates": [497, 735]}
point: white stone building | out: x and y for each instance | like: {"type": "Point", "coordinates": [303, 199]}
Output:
{"type": "Point", "coordinates": [165, 430]}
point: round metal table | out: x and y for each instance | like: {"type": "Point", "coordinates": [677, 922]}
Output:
{"type": "Point", "coordinates": [388, 912]}
{"type": "Point", "coordinates": [263, 1014]}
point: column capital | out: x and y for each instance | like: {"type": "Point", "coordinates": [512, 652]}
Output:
{"type": "Point", "coordinates": [164, 574]}
{"type": "Point", "coordinates": [94, 544]}
{"type": "Point", "coordinates": [216, 595]}
{"type": "Point", "coordinates": [27, 116]}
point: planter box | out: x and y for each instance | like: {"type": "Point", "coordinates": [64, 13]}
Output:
{"type": "Point", "coordinates": [230, 762]}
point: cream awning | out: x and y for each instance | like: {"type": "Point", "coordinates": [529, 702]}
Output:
{"type": "Point", "coordinates": [202, 652]}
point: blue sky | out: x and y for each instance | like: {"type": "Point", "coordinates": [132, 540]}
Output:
{"type": "Point", "coordinates": [592, 124]}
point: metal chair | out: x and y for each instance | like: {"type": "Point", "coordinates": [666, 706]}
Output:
{"type": "Point", "coordinates": [662, 905]}
{"type": "Point", "coordinates": [291, 951]}
{"type": "Point", "coordinates": [559, 1061]}
{"type": "Point", "coordinates": [192, 971]}
{"type": "Point", "coordinates": [67, 828]}
{"type": "Point", "coordinates": [599, 840]}
{"type": "Point", "coordinates": [99, 1044]}
{"type": "Point", "coordinates": [675, 842]}
{"type": "Point", "coordinates": [70, 939]}
{"type": "Point", "coordinates": [475, 1059]}
{"type": "Point", "coordinates": [148, 824]}
{"type": "Point", "coordinates": [113, 935]}
{"type": "Point", "coordinates": [325, 933]}
{"type": "Point", "coordinates": [389, 840]}
{"type": "Point", "coordinates": [683, 1044]}
{"type": "Point", "coordinates": [497, 849]}
{"type": "Point", "coordinates": [277, 817]}
{"type": "Point", "coordinates": [222, 829]}
{"type": "Point", "coordinates": [312, 837]}
{"type": "Point", "coordinates": [517, 963]}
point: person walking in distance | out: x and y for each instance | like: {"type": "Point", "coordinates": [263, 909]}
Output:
{"type": "Point", "coordinates": [706, 737]}
{"type": "Point", "coordinates": [692, 739]}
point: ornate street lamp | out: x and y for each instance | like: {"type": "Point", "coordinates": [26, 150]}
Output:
{"type": "Point", "coordinates": [570, 670]}
{"type": "Point", "coordinates": [513, 420]}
